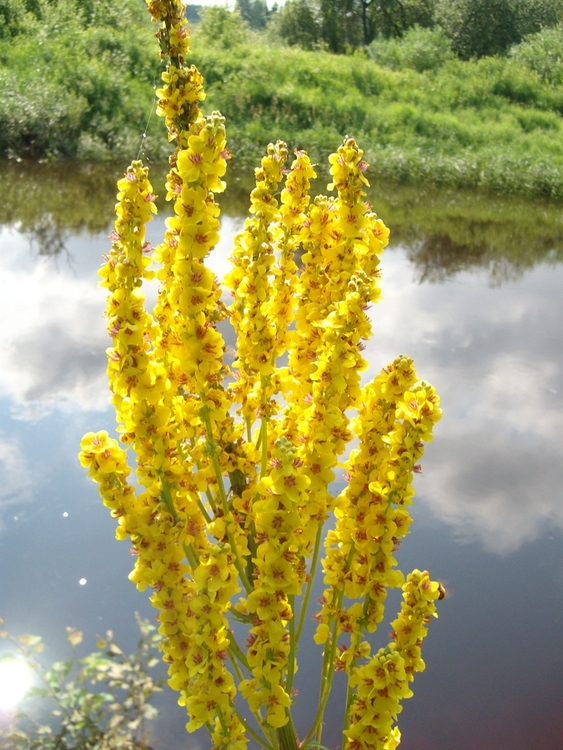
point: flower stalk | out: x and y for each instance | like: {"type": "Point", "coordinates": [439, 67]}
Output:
{"type": "Point", "coordinates": [227, 519]}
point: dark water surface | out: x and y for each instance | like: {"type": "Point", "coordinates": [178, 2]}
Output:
{"type": "Point", "coordinates": [473, 289]}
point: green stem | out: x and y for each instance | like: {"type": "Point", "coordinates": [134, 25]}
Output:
{"type": "Point", "coordinates": [251, 731]}
{"type": "Point", "coordinates": [236, 651]}
{"type": "Point", "coordinates": [349, 699]}
{"type": "Point", "coordinates": [167, 500]}
{"type": "Point", "coordinates": [309, 587]}
{"type": "Point", "coordinates": [264, 459]}
{"type": "Point", "coordinates": [222, 721]}
{"type": "Point", "coordinates": [264, 381]}
{"type": "Point", "coordinates": [273, 738]}
{"type": "Point", "coordinates": [292, 648]}
{"type": "Point", "coordinates": [210, 498]}
{"type": "Point", "coordinates": [287, 736]}
{"type": "Point", "coordinates": [205, 514]}
{"type": "Point", "coordinates": [326, 684]}
{"type": "Point", "coordinates": [259, 437]}
{"type": "Point", "coordinates": [191, 556]}
{"type": "Point", "coordinates": [354, 644]}
{"type": "Point", "coordinates": [327, 673]}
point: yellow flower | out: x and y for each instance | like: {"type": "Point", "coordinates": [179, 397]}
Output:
{"type": "Point", "coordinates": [220, 506]}
{"type": "Point", "coordinates": [278, 702]}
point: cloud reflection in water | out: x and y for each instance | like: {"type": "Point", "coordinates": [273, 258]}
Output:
{"type": "Point", "coordinates": [494, 472]}
{"type": "Point", "coordinates": [15, 478]}
{"type": "Point", "coordinates": [53, 347]}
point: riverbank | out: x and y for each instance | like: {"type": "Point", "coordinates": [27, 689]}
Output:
{"type": "Point", "coordinates": [85, 91]}
{"type": "Point", "coordinates": [491, 123]}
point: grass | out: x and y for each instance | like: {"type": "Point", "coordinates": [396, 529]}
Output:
{"type": "Point", "coordinates": [83, 89]}
{"type": "Point", "coordinates": [492, 123]}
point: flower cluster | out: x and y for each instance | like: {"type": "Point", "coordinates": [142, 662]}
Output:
{"type": "Point", "coordinates": [383, 682]}
{"type": "Point", "coordinates": [372, 512]}
{"type": "Point", "coordinates": [234, 465]}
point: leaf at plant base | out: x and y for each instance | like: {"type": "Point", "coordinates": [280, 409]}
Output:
{"type": "Point", "coordinates": [74, 637]}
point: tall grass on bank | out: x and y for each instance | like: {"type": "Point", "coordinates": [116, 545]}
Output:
{"type": "Point", "coordinates": [420, 113]}
{"type": "Point", "coordinates": [73, 75]}
{"type": "Point", "coordinates": [492, 123]}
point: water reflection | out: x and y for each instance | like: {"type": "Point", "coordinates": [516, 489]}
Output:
{"type": "Point", "coordinates": [54, 343]}
{"type": "Point", "coordinates": [445, 232]}
{"type": "Point", "coordinates": [496, 358]}
{"type": "Point", "coordinates": [15, 476]}
{"type": "Point", "coordinates": [472, 291]}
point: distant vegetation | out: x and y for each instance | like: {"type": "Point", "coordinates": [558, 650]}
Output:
{"type": "Point", "coordinates": [420, 112]}
{"type": "Point", "coordinates": [458, 92]}
{"type": "Point", "coordinates": [76, 77]}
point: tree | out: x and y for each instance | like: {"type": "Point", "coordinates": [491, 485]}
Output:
{"type": "Point", "coordinates": [346, 24]}
{"type": "Point", "coordinates": [254, 12]}
{"type": "Point", "coordinates": [298, 24]}
{"type": "Point", "coordinates": [221, 27]}
{"type": "Point", "coordinates": [339, 24]}
{"type": "Point", "coordinates": [392, 18]}
{"type": "Point", "coordinates": [477, 28]}
{"type": "Point", "coordinates": [534, 15]}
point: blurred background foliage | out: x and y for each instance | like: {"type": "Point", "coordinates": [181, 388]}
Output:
{"type": "Point", "coordinates": [100, 701]}
{"type": "Point", "coordinates": [455, 92]}
{"type": "Point", "coordinates": [77, 78]}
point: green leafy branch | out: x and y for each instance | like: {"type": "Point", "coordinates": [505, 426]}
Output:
{"type": "Point", "coordinates": [97, 702]}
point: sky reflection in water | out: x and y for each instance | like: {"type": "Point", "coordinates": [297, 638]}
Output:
{"type": "Point", "coordinates": [489, 514]}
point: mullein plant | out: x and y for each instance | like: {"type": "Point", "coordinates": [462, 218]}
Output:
{"type": "Point", "coordinates": [235, 465]}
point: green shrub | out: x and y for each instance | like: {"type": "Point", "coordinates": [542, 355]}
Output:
{"type": "Point", "coordinates": [74, 80]}
{"type": "Point", "coordinates": [12, 18]}
{"type": "Point", "coordinates": [98, 702]}
{"type": "Point", "coordinates": [542, 53]}
{"type": "Point", "coordinates": [220, 27]}
{"type": "Point", "coordinates": [420, 49]}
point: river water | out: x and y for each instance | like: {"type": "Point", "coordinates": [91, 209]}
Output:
{"type": "Point", "coordinates": [473, 290]}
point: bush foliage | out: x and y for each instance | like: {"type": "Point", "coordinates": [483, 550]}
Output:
{"type": "Point", "coordinates": [97, 702]}
{"type": "Point", "coordinates": [420, 49]}
{"type": "Point", "coordinates": [492, 122]}
{"type": "Point", "coordinates": [74, 78]}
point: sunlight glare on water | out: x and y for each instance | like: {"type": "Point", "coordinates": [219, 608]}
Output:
{"type": "Point", "coordinates": [15, 681]}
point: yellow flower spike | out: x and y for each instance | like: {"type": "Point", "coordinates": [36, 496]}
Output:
{"type": "Point", "coordinates": [222, 508]}
{"type": "Point", "coordinates": [383, 682]}
{"type": "Point", "coordinates": [252, 285]}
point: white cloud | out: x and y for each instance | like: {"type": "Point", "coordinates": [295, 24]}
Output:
{"type": "Point", "coordinates": [15, 480]}
{"type": "Point", "coordinates": [53, 346]}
